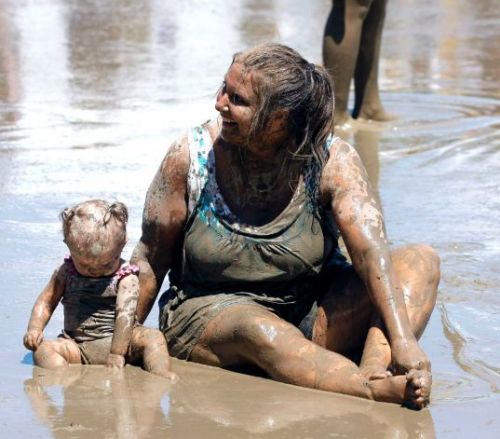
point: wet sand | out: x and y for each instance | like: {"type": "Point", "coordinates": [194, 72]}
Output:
{"type": "Point", "coordinates": [91, 94]}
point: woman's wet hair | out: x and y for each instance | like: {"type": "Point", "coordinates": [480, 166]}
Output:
{"type": "Point", "coordinates": [285, 80]}
{"type": "Point", "coordinates": [94, 220]}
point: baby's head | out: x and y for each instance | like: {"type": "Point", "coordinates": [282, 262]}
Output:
{"type": "Point", "coordinates": [95, 233]}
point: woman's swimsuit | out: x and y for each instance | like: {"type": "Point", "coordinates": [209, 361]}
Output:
{"type": "Point", "coordinates": [89, 310]}
{"type": "Point", "coordinates": [280, 266]}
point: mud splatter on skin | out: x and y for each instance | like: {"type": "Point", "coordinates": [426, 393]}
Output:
{"type": "Point", "coordinates": [245, 174]}
{"type": "Point", "coordinates": [164, 216]}
{"type": "Point", "coordinates": [44, 306]}
{"type": "Point", "coordinates": [247, 333]}
{"type": "Point", "coordinates": [359, 218]}
{"type": "Point", "coordinates": [149, 349]}
{"type": "Point", "coordinates": [126, 304]}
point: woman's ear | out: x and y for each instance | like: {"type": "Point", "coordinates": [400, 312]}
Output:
{"type": "Point", "coordinates": [281, 117]}
{"type": "Point", "coordinates": [278, 121]}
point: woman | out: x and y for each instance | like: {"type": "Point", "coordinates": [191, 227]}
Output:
{"type": "Point", "coordinates": [244, 213]}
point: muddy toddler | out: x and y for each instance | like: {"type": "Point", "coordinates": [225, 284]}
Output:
{"type": "Point", "coordinates": [99, 292]}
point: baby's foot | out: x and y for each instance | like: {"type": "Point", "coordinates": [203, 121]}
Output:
{"type": "Point", "coordinates": [418, 389]}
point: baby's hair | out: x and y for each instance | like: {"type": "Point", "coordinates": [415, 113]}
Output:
{"type": "Point", "coordinates": [118, 211]}
{"type": "Point", "coordinates": [98, 213]}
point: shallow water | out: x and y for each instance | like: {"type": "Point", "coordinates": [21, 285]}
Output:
{"type": "Point", "coordinates": [91, 94]}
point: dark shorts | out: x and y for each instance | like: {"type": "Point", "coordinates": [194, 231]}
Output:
{"type": "Point", "coordinates": [93, 351]}
{"type": "Point", "coordinates": [183, 319]}
{"type": "Point", "coordinates": [97, 351]}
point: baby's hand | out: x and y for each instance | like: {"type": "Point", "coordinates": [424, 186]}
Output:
{"type": "Point", "coordinates": [32, 339]}
{"type": "Point", "coordinates": [116, 360]}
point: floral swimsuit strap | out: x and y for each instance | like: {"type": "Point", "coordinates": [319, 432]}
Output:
{"type": "Point", "coordinates": [202, 163]}
{"type": "Point", "coordinates": [200, 146]}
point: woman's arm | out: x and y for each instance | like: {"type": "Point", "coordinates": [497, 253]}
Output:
{"type": "Point", "coordinates": [164, 217]}
{"type": "Point", "coordinates": [44, 307]}
{"type": "Point", "coordinates": [360, 221]}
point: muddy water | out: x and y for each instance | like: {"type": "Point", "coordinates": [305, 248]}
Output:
{"type": "Point", "coordinates": [91, 93]}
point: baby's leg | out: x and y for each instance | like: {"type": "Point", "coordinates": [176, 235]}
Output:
{"type": "Point", "coordinates": [150, 346]}
{"type": "Point", "coordinates": [52, 354]}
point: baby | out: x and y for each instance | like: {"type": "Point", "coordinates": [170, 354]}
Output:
{"type": "Point", "coordinates": [99, 293]}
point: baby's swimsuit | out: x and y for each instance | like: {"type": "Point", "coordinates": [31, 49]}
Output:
{"type": "Point", "coordinates": [89, 310]}
{"type": "Point", "coordinates": [283, 266]}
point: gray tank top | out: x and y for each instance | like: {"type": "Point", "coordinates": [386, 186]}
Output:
{"type": "Point", "coordinates": [222, 255]}
{"type": "Point", "coordinates": [89, 303]}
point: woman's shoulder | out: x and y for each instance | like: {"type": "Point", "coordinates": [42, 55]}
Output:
{"type": "Point", "coordinates": [342, 167]}
{"type": "Point", "coordinates": [334, 143]}
{"type": "Point", "coordinates": [196, 142]}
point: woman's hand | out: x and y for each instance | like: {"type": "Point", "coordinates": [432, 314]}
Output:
{"type": "Point", "coordinates": [407, 355]}
{"type": "Point", "coordinates": [116, 361]}
{"type": "Point", "coordinates": [32, 339]}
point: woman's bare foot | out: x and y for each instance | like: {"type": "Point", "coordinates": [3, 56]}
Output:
{"type": "Point", "coordinates": [411, 390]}
{"type": "Point", "coordinates": [377, 114]}
{"type": "Point", "coordinates": [341, 118]}
{"type": "Point", "coordinates": [418, 389]}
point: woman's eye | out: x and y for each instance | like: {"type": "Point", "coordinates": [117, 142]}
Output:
{"type": "Point", "coordinates": [237, 99]}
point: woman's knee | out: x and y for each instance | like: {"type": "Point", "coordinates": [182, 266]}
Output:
{"type": "Point", "coordinates": [264, 339]}
{"type": "Point", "coordinates": [420, 260]}
{"type": "Point", "coordinates": [434, 261]}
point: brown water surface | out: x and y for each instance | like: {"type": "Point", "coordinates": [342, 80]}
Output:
{"type": "Point", "coordinates": [91, 94]}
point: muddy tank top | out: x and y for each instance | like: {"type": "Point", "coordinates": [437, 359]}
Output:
{"type": "Point", "coordinates": [222, 255]}
{"type": "Point", "coordinates": [89, 303]}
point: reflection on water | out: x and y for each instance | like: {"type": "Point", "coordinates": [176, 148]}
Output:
{"type": "Point", "coordinates": [93, 401]}
{"type": "Point", "coordinates": [91, 93]}
{"type": "Point", "coordinates": [96, 402]}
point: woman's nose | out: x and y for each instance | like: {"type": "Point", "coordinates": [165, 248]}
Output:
{"type": "Point", "coordinates": [221, 102]}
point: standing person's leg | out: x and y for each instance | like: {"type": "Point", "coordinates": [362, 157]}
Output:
{"type": "Point", "coordinates": [341, 45]}
{"type": "Point", "coordinates": [148, 347]}
{"type": "Point", "coordinates": [52, 354]}
{"type": "Point", "coordinates": [367, 104]}
{"type": "Point", "coordinates": [246, 334]}
{"type": "Point", "coordinates": [347, 323]}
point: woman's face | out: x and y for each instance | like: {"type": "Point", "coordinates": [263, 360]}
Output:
{"type": "Point", "coordinates": [236, 103]}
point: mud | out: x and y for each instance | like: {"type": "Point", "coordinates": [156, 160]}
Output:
{"type": "Point", "coordinates": [91, 94]}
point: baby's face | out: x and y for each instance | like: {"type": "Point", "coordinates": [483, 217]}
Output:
{"type": "Point", "coordinates": [95, 249]}
{"type": "Point", "coordinates": [104, 264]}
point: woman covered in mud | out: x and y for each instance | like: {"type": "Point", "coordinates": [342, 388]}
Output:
{"type": "Point", "coordinates": [245, 213]}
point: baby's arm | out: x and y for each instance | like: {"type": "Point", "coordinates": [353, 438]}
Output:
{"type": "Point", "coordinates": [126, 305]}
{"type": "Point", "coordinates": [44, 307]}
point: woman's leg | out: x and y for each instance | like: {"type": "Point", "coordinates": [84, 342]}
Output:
{"type": "Point", "coordinates": [52, 354]}
{"type": "Point", "coordinates": [246, 334]}
{"type": "Point", "coordinates": [367, 104]}
{"type": "Point", "coordinates": [341, 45]}
{"type": "Point", "coordinates": [347, 323]}
{"type": "Point", "coordinates": [149, 348]}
